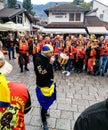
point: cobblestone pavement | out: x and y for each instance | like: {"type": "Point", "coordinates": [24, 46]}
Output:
{"type": "Point", "coordinates": [74, 94]}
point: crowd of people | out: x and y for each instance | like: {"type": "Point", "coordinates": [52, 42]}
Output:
{"type": "Point", "coordinates": [72, 53]}
{"type": "Point", "coordinates": [84, 54]}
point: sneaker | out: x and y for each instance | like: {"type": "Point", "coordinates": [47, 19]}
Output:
{"type": "Point", "coordinates": [68, 73]}
{"type": "Point", "coordinates": [45, 126]}
{"type": "Point", "coordinates": [64, 72]}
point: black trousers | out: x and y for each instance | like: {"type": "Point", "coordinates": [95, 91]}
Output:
{"type": "Point", "coordinates": [23, 59]}
{"type": "Point", "coordinates": [43, 114]}
{"type": "Point", "coordinates": [79, 64]}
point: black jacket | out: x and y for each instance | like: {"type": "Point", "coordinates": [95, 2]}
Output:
{"type": "Point", "coordinates": [43, 70]}
{"type": "Point", "coordinates": [94, 117]}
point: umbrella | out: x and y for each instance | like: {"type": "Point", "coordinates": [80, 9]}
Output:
{"type": "Point", "coordinates": [22, 28]}
{"type": "Point", "coordinates": [2, 28]}
{"type": "Point", "coordinates": [11, 26]}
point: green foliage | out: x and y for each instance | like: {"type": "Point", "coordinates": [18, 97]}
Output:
{"type": "Point", "coordinates": [32, 12]}
{"type": "Point", "coordinates": [11, 3]}
{"type": "Point", "coordinates": [82, 3]}
{"type": "Point", "coordinates": [28, 6]}
{"type": "Point", "coordinates": [86, 5]}
{"type": "Point", "coordinates": [1, 21]}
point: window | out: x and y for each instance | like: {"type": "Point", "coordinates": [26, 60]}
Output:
{"type": "Point", "coordinates": [19, 18]}
{"type": "Point", "coordinates": [74, 16]}
{"type": "Point", "coordinates": [78, 17]}
{"type": "Point", "coordinates": [71, 17]}
{"type": "Point", "coordinates": [58, 13]}
{"type": "Point", "coordinates": [101, 16]}
{"type": "Point", "coordinates": [58, 16]}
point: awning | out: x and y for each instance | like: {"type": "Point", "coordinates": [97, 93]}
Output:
{"type": "Point", "coordinates": [97, 30]}
{"type": "Point", "coordinates": [63, 31]}
{"type": "Point", "coordinates": [11, 26]}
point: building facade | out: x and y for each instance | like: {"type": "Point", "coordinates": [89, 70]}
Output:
{"type": "Point", "coordinates": [69, 19]}
{"type": "Point", "coordinates": [102, 10]}
{"type": "Point", "coordinates": [1, 4]}
{"type": "Point", "coordinates": [66, 18]}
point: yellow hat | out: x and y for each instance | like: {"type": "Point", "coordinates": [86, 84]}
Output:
{"type": "Point", "coordinates": [4, 92]}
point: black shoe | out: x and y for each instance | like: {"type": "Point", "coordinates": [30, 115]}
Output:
{"type": "Point", "coordinates": [94, 74]}
{"type": "Point", "coordinates": [89, 73]}
{"type": "Point", "coordinates": [79, 71]}
{"type": "Point", "coordinates": [45, 126]}
{"type": "Point", "coordinates": [26, 69]}
{"type": "Point", "coordinates": [103, 74]}
{"type": "Point", "coordinates": [14, 57]}
{"type": "Point", "coordinates": [21, 71]}
{"type": "Point", "coordinates": [75, 71]}
{"type": "Point", "coordinates": [47, 115]}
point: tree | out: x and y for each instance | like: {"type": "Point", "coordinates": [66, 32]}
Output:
{"type": "Point", "coordinates": [82, 3]}
{"type": "Point", "coordinates": [77, 2]}
{"type": "Point", "coordinates": [86, 5]}
{"type": "Point", "coordinates": [1, 21]}
{"type": "Point", "coordinates": [28, 6]}
{"type": "Point", "coordinates": [11, 3]}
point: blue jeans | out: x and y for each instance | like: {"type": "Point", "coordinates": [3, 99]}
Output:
{"type": "Point", "coordinates": [56, 63]}
{"type": "Point", "coordinates": [11, 49]}
{"type": "Point", "coordinates": [67, 66]}
{"type": "Point", "coordinates": [103, 64]}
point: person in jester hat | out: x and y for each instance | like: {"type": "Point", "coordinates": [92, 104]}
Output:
{"type": "Point", "coordinates": [46, 87]}
{"type": "Point", "coordinates": [15, 100]}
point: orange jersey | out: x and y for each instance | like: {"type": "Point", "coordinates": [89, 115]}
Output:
{"type": "Point", "coordinates": [103, 50]}
{"type": "Point", "coordinates": [73, 52]}
{"type": "Point", "coordinates": [14, 115]}
{"type": "Point", "coordinates": [56, 50]}
{"type": "Point", "coordinates": [23, 47]}
{"type": "Point", "coordinates": [93, 52]}
{"type": "Point", "coordinates": [80, 52]}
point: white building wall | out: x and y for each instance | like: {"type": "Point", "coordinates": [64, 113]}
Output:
{"type": "Point", "coordinates": [6, 3]}
{"type": "Point", "coordinates": [26, 21]}
{"type": "Point", "coordinates": [1, 5]}
{"type": "Point", "coordinates": [61, 18]}
{"type": "Point", "coordinates": [102, 10]}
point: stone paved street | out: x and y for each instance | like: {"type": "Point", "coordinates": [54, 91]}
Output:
{"type": "Point", "coordinates": [74, 94]}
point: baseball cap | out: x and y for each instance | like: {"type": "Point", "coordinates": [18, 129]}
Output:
{"type": "Point", "coordinates": [47, 48]}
